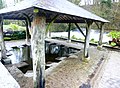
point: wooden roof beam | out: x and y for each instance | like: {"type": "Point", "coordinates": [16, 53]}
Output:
{"type": "Point", "coordinates": [79, 29]}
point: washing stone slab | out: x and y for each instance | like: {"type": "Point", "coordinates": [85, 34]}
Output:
{"type": "Point", "coordinates": [6, 80]}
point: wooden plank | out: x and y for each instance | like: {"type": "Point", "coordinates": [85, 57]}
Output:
{"type": "Point", "coordinates": [38, 50]}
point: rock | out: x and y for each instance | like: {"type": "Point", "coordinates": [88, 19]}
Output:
{"type": "Point", "coordinates": [6, 61]}
{"type": "Point", "coordinates": [61, 58]}
{"type": "Point", "coordinates": [15, 47]}
{"type": "Point", "coordinates": [9, 49]}
{"type": "Point", "coordinates": [29, 73]}
{"type": "Point", "coordinates": [24, 45]}
{"type": "Point", "coordinates": [21, 64]}
{"type": "Point", "coordinates": [85, 86]}
{"type": "Point", "coordinates": [52, 64]}
{"type": "Point", "coordinates": [73, 56]}
{"type": "Point", "coordinates": [9, 54]}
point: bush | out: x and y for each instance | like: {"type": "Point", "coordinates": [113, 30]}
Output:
{"type": "Point", "coordinates": [114, 34]}
{"type": "Point", "coordinates": [14, 35]}
{"type": "Point", "coordinates": [113, 44]}
{"type": "Point", "coordinates": [115, 38]}
{"type": "Point", "coordinates": [73, 37]}
{"type": "Point", "coordinates": [7, 38]}
{"type": "Point", "coordinates": [93, 41]}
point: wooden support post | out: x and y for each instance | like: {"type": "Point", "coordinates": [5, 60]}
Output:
{"type": "Point", "coordinates": [69, 32]}
{"type": "Point", "coordinates": [27, 32]}
{"type": "Point", "coordinates": [38, 49]}
{"type": "Point", "coordinates": [48, 31]}
{"type": "Point", "coordinates": [101, 35]}
{"type": "Point", "coordinates": [28, 27]}
{"type": "Point", "coordinates": [87, 39]}
{"type": "Point", "coordinates": [2, 43]}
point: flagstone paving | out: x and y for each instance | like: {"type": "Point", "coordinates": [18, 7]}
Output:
{"type": "Point", "coordinates": [111, 74]}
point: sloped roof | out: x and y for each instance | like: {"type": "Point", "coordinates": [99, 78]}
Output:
{"type": "Point", "coordinates": [67, 11]}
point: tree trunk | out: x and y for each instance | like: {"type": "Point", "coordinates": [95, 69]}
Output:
{"type": "Point", "coordinates": [38, 51]}
{"type": "Point", "coordinates": [2, 43]}
{"type": "Point", "coordinates": [101, 34]}
{"type": "Point", "coordinates": [87, 39]}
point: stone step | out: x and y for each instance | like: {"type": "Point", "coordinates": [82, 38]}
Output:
{"type": "Point", "coordinates": [21, 64]}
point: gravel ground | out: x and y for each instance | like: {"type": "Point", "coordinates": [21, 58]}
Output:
{"type": "Point", "coordinates": [72, 72]}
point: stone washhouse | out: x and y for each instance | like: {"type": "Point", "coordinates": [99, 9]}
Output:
{"type": "Point", "coordinates": [40, 12]}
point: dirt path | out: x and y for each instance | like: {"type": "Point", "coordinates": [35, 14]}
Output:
{"type": "Point", "coordinates": [111, 74]}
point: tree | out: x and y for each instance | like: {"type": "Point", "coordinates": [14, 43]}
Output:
{"type": "Point", "coordinates": [77, 2]}
{"type": "Point", "coordinates": [108, 3]}
{"type": "Point", "coordinates": [116, 16]}
{"type": "Point", "coordinates": [17, 1]}
{"type": "Point", "coordinates": [96, 2]}
{"type": "Point", "coordinates": [2, 4]}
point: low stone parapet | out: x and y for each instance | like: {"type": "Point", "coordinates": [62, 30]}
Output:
{"type": "Point", "coordinates": [6, 80]}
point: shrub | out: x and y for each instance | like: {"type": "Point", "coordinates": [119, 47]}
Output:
{"type": "Point", "coordinates": [73, 37]}
{"type": "Point", "coordinates": [14, 35]}
{"type": "Point", "coordinates": [114, 34]}
{"type": "Point", "coordinates": [115, 38]}
{"type": "Point", "coordinates": [113, 44]}
{"type": "Point", "coordinates": [7, 38]}
{"type": "Point", "coordinates": [93, 41]}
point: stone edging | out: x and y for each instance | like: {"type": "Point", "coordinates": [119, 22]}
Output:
{"type": "Point", "coordinates": [98, 74]}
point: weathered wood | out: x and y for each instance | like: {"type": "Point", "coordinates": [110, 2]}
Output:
{"type": "Point", "coordinates": [2, 43]}
{"type": "Point", "coordinates": [79, 29]}
{"type": "Point", "coordinates": [87, 39]}
{"type": "Point", "coordinates": [38, 51]}
{"type": "Point", "coordinates": [28, 22]}
{"type": "Point", "coordinates": [48, 31]}
{"type": "Point", "coordinates": [101, 34]}
{"type": "Point", "coordinates": [69, 26]}
{"type": "Point", "coordinates": [27, 32]}
{"type": "Point", "coordinates": [97, 24]}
